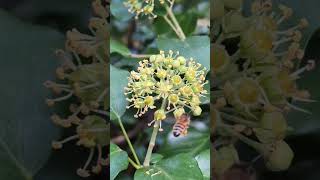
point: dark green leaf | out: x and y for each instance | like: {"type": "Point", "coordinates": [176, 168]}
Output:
{"type": "Point", "coordinates": [179, 167]}
{"type": "Point", "coordinates": [196, 47]}
{"type": "Point", "coordinates": [26, 132]}
{"type": "Point", "coordinates": [118, 160]}
{"type": "Point", "coordinates": [118, 81]}
{"type": "Point", "coordinates": [117, 47]}
{"type": "Point", "coordinates": [194, 142]}
{"type": "Point", "coordinates": [155, 158]}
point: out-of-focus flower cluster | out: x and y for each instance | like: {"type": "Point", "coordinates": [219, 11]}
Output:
{"type": "Point", "coordinates": [255, 63]}
{"type": "Point", "coordinates": [144, 7]}
{"type": "Point", "coordinates": [82, 82]}
{"type": "Point", "coordinates": [173, 80]}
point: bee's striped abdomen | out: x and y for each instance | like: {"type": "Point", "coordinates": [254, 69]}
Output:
{"type": "Point", "coordinates": [181, 125]}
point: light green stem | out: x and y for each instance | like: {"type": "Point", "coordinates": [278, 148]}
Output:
{"type": "Point", "coordinates": [175, 23]}
{"type": "Point", "coordinates": [128, 141]}
{"type": "Point", "coordinates": [133, 163]}
{"type": "Point", "coordinates": [152, 142]}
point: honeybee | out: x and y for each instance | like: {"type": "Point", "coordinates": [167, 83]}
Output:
{"type": "Point", "coordinates": [181, 126]}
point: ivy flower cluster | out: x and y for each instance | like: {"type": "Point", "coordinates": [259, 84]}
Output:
{"type": "Point", "coordinates": [169, 78]}
{"type": "Point", "coordinates": [256, 62]}
{"type": "Point", "coordinates": [82, 82]}
{"type": "Point", "coordinates": [144, 7]}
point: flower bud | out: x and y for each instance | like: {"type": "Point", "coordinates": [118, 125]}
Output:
{"type": "Point", "coordinates": [173, 98]}
{"type": "Point", "coordinates": [178, 112]}
{"type": "Point", "coordinates": [176, 80]}
{"type": "Point", "coordinates": [280, 158]}
{"type": "Point", "coordinates": [160, 115]}
{"type": "Point", "coordinates": [197, 111]}
{"type": "Point", "coordinates": [182, 60]}
{"type": "Point", "coordinates": [161, 74]}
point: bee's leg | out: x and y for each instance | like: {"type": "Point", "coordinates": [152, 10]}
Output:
{"type": "Point", "coordinates": [160, 129]}
{"type": "Point", "coordinates": [185, 132]}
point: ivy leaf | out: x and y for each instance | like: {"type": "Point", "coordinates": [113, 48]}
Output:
{"type": "Point", "coordinates": [181, 166]}
{"type": "Point", "coordinates": [118, 102]}
{"type": "Point", "coordinates": [203, 160]}
{"type": "Point", "coordinates": [155, 157]}
{"type": "Point", "coordinates": [118, 161]}
{"type": "Point", "coordinates": [196, 47]}
{"type": "Point", "coordinates": [26, 132]}
{"type": "Point", "coordinates": [117, 47]}
{"type": "Point", "coordinates": [119, 11]}
{"type": "Point", "coordinates": [193, 143]}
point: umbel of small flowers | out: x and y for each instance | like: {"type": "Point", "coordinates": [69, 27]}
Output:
{"type": "Point", "coordinates": [144, 7]}
{"type": "Point", "coordinates": [82, 81]}
{"type": "Point", "coordinates": [255, 86]}
{"type": "Point", "coordinates": [176, 82]}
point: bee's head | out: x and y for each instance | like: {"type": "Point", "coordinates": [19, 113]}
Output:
{"type": "Point", "coordinates": [176, 134]}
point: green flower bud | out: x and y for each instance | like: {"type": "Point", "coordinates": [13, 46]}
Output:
{"type": "Point", "coordinates": [153, 58]}
{"type": "Point", "coordinates": [160, 115]}
{"type": "Point", "coordinates": [161, 74]}
{"type": "Point", "coordinates": [275, 122]}
{"type": "Point", "coordinates": [197, 111]}
{"type": "Point", "coordinates": [176, 80]}
{"type": "Point", "coordinates": [190, 74]}
{"type": "Point", "coordinates": [159, 58]}
{"type": "Point", "coordinates": [280, 158]}
{"type": "Point", "coordinates": [173, 98]}
{"type": "Point", "coordinates": [175, 64]}
{"type": "Point", "coordinates": [182, 60]}
{"type": "Point", "coordinates": [186, 91]}
{"type": "Point", "coordinates": [178, 112]}
{"type": "Point", "coordinates": [149, 101]}
{"type": "Point", "coordinates": [234, 23]}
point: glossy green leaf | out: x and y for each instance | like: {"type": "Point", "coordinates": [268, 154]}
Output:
{"type": "Point", "coordinates": [194, 142]}
{"type": "Point", "coordinates": [196, 47]}
{"type": "Point", "coordinates": [155, 157]}
{"type": "Point", "coordinates": [179, 167]}
{"type": "Point", "coordinates": [203, 160]}
{"type": "Point", "coordinates": [26, 132]}
{"type": "Point", "coordinates": [118, 161]}
{"type": "Point", "coordinates": [118, 81]}
{"type": "Point", "coordinates": [117, 47]}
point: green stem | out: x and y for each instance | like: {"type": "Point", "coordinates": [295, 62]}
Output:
{"type": "Point", "coordinates": [258, 146]}
{"type": "Point", "coordinates": [152, 142]}
{"type": "Point", "coordinates": [128, 141]}
{"type": "Point", "coordinates": [133, 163]}
{"type": "Point", "coordinates": [238, 120]}
{"type": "Point", "coordinates": [140, 55]}
{"type": "Point", "coordinates": [181, 35]}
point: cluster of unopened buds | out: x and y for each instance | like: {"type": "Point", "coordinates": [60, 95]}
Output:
{"type": "Point", "coordinates": [144, 7]}
{"type": "Point", "coordinates": [172, 80]}
{"type": "Point", "coordinates": [82, 82]}
{"type": "Point", "coordinates": [255, 65]}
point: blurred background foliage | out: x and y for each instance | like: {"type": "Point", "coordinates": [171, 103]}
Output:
{"type": "Point", "coordinates": [304, 136]}
{"type": "Point", "coordinates": [31, 31]}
